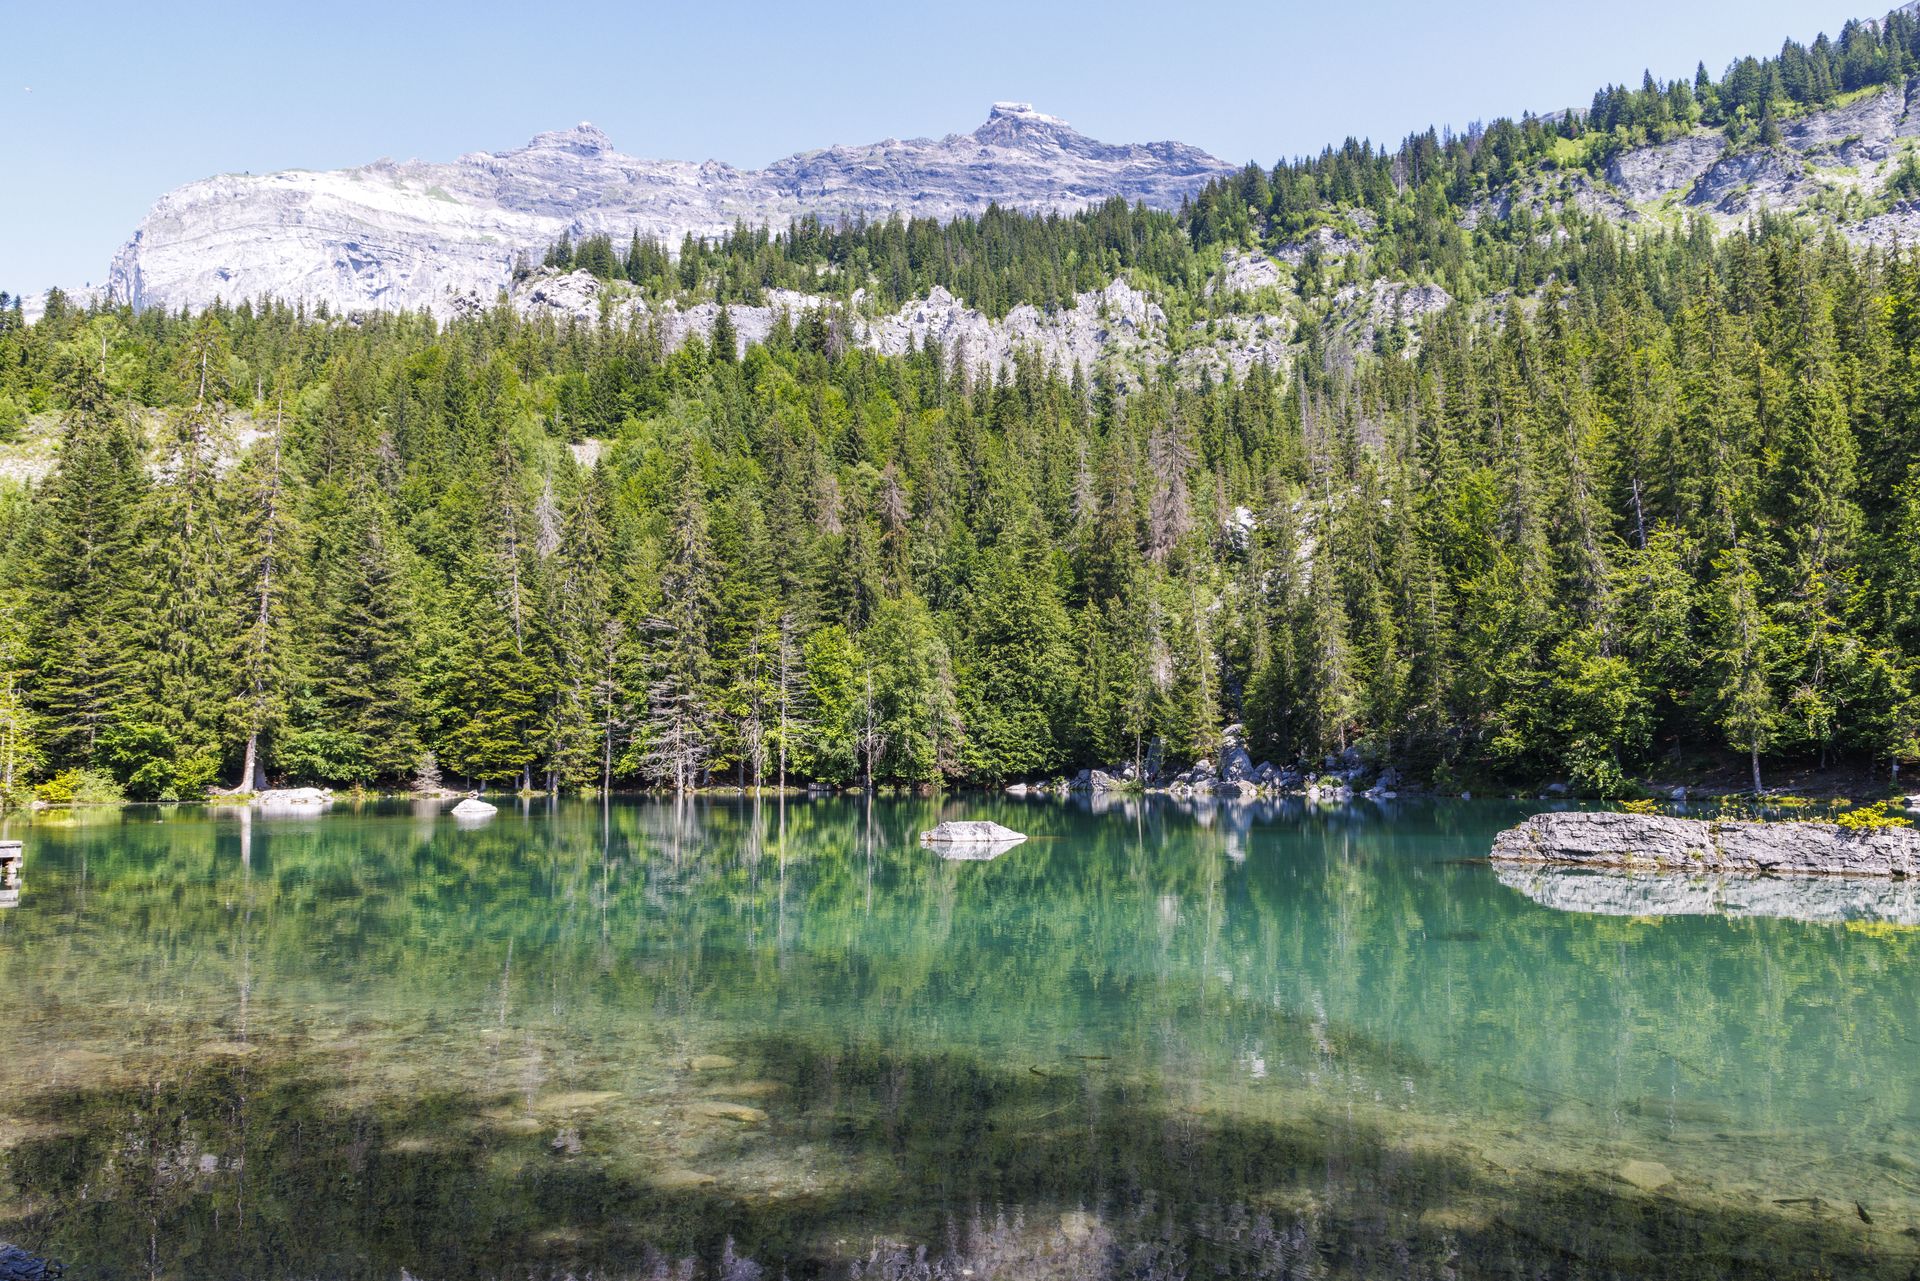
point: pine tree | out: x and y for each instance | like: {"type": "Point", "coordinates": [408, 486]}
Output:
{"type": "Point", "coordinates": [726, 342]}
{"type": "Point", "coordinates": [1745, 652]}
{"type": "Point", "coordinates": [262, 545]}
{"type": "Point", "coordinates": [81, 581]}
{"type": "Point", "coordinates": [20, 728]}
{"type": "Point", "coordinates": [355, 718]}
{"type": "Point", "coordinates": [678, 730]}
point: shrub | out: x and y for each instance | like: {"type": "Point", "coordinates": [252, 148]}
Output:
{"type": "Point", "coordinates": [80, 787]}
{"type": "Point", "coordinates": [1870, 818]}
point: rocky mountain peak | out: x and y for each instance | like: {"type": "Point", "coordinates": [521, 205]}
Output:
{"type": "Point", "coordinates": [583, 139]}
{"type": "Point", "coordinates": [1013, 124]}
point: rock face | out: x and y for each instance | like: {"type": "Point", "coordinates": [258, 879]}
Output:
{"type": "Point", "coordinates": [473, 810]}
{"type": "Point", "coordinates": [1652, 841]}
{"type": "Point", "coordinates": [1648, 173]}
{"type": "Point", "coordinates": [1102, 325]}
{"type": "Point", "coordinates": [401, 235]}
{"type": "Point", "coordinates": [1855, 147]}
{"type": "Point", "coordinates": [1118, 317]}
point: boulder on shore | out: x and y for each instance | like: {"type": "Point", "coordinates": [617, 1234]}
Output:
{"type": "Point", "coordinates": [474, 809]}
{"type": "Point", "coordinates": [293, 800]}
{"type": "Point", "coordinates": [1598, 839]}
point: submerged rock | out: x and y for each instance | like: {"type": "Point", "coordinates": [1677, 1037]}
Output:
{"type": "Point", "coordinates": [474, 809]}
{"type": "Point", "coordinates": [1648, 1176]}
{"type": "Point", "coordinates": [1656, 841]}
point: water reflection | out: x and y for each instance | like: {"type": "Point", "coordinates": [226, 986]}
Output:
{"type": "Point", "coordinates": [1304, 1042]}
{"type": "Point", "coordinates": [1796, 898]}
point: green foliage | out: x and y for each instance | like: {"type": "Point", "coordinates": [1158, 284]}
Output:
{"type": "Point", "coordinates": [152, 764]}
{"type": "Point", "coordinates": [1871, 818]}
{"type": "Point", "coordinates": [828, 747]}
{"type": "Point", "coordinates": [1634, 500]}
{"type": "Point", "coordinates": [80, 787]}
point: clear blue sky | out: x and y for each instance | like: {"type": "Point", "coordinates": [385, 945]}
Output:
{"type": "Point", "coordinates": [104, 106]}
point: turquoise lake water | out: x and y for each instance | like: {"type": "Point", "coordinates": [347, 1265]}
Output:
{"type": "Point", "coordinates": [741, 1039]}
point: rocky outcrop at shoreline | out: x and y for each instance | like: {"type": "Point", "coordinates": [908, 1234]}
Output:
{"type": "Point", "coordinates": [1655, 841]}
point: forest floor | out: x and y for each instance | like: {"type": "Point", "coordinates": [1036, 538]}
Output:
{"type": "Point", "coordinates": [1851, 780]}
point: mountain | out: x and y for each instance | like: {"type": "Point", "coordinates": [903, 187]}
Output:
{"type": "Point", "coordinates": [399, 235]}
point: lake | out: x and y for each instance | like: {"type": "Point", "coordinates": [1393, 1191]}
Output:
{"type": "Point", "coordinates": [738, 1039]}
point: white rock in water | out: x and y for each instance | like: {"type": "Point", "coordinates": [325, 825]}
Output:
{"type": "Point", "coordinates": [474, 809]}
{"type": "Point", "coordinates": [971, 839]}
{"type": "Point", "coordinates": [294, 800]}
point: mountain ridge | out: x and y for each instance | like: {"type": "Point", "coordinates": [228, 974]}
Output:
{"type": "Point", "coordinates": [408, 234]}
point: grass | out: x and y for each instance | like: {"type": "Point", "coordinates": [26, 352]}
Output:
{"type": "Point", "coordinates": [1570, 153]}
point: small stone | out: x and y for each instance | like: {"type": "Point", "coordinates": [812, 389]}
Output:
{"type": "Point", "coordinates": [751, 1089]}
{"type": "Point", "coordinates": [711, 1063]}
{"type": "Point", "coordinates": [739, 1112]}
{"type": "Point", "coordinates": [1648, 1176]}
{"type": "Point", "coordinates": [573, 1100]}
{"type": "Point", "coordinates": [520, 1125]}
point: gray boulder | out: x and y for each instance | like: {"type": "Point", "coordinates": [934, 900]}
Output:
{"type": "Point", "coordinates": [1236, 765]}
{"type": "Point", "coordinates": [18, 1265]}
{"type": "Point", "coordinates": [474, 810]}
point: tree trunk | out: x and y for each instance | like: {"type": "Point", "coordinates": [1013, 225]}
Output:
{"type": "Point", "coordinates": [1756, 770]}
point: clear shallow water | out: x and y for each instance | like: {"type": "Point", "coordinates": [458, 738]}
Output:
{"type": "Point", "coordinates": [710, 1039]}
